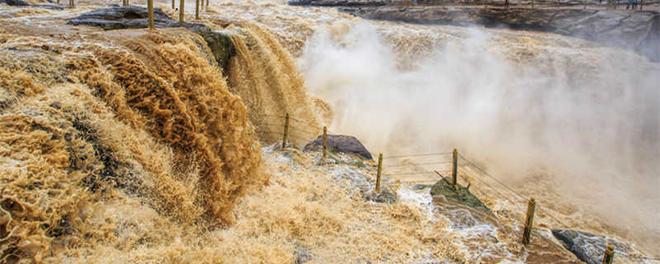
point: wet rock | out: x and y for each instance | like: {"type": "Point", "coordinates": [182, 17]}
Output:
{"type": "Point", "coordinates": [302, 255]}
{"type": "Point", "coordinates": [218, 41]}
{"type": "Point", "coordinates": [15, 2]}
{"type": "Point", "coordinates": [340, 143]}
{"type": "Point", "coordinates": [588, 247]}
{"type": "Point", "coordinates": [638, 31]}
{"type": "Point", "coordinates": [460, 195]}
{"type": "Point", "coordinates": [385, 196]}
{"type": "Point", "coordinates": [122, 17]}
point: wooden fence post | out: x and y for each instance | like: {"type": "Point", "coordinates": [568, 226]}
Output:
{"type": "Point", "coordinates": [325, 142]}
{"type": "Point", "coordinates": [286, 130]}
{"type": "Point", "coordinates": [197, 9]}
{"type": "Point", "coordinates": [380, 170]}
{"type": "Point", "coordinates": [181, 11]}
{"type": "Point", "coordinates": [608, 257]}
{"type": "Point", "coordinates": [454, 169]}
{"type": "Point", "coordinates": [529, 221]}
{"type": "Point", "coordinates": [150, 10]}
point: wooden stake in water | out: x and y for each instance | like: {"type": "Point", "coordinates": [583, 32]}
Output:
{"type": "Point", "coordinates": [286, 130]}
{"type": "Point", "coordinates": [197, 9]}
{"type": "Point", "coordinates": [454, 169]}
{"type": "Point", "coordinates": [181, 12]}
{"type": "Point", "coordinates": [608, 257]}
{"type": "Point", "coordinates": [529, 221]}
{"type": "Point", "coordinates": [380, 170]}
{"type": "Point", "coordinates": [150, 10]}
{"type": "Point", "coordinates": [325, 142]}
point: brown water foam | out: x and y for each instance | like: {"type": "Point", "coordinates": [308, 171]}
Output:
{"type": "Point", "coordinates": [266, 77]}
{"type": "Point", "coordinates": [135, 118]}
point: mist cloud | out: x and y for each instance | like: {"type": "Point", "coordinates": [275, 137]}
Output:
{"type": "Point", "coordinates": [588, 116]}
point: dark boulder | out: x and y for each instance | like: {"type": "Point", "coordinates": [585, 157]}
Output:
{"type": "Point", "coordinates": [125, 17]}
{"type": "Point", "coordinates": [340, 143]}
{"type": "Point", "coordinates": [588, 247]}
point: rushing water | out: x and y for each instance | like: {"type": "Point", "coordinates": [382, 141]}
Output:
{"type": "Point", "coordinates": [584, 116]}
{"type": "Point", "coordinates": [133, 147]}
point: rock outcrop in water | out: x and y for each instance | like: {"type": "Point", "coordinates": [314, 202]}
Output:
{"type": "Point", "coordinates": [588, 247]}
{"type": "Point", "coordinates": [458, 194]}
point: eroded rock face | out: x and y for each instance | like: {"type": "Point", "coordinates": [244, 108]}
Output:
{"type": "Point", "coordinates": [638, 31]}
{"type": "Point", "coordinates": [588, 247]}
{"type": "Point", "coordinates": [340, 143]}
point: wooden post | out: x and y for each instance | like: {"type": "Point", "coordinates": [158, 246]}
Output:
{"type": "Point", "coordinates": [181, 12]}
{"type": "Point", "coordinates": [197, 9]}
{"type": "Point", "coordinates": [608, 257]}
{"type": "Point", "coordinates": [72, 4]}
{"type": "Point", "coordinates": [325, 142]}
{"type": "Point", "coordinates": [173, 4]}
{"type": "Point", "coordinates": [207, 3]}
{"type": "Point", "coordinates": [454, 169]}
{"type": "Point", "coordinates": [641, 5]}
{"type": "Point", "coordinates": [380, 170]}
{"type": "Point", "coordinates": [150, 10]}
{"type": "Point", "coordinates": [529, 221]}
{"type": "Point", "coordinates": [286, 130]}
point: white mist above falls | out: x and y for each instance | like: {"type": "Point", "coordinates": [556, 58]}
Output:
{"type": "Point", "coordinates": [523, 103]}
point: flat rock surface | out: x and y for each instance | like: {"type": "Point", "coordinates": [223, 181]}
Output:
{"type": "Point", "coordinates": [122, 17]}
